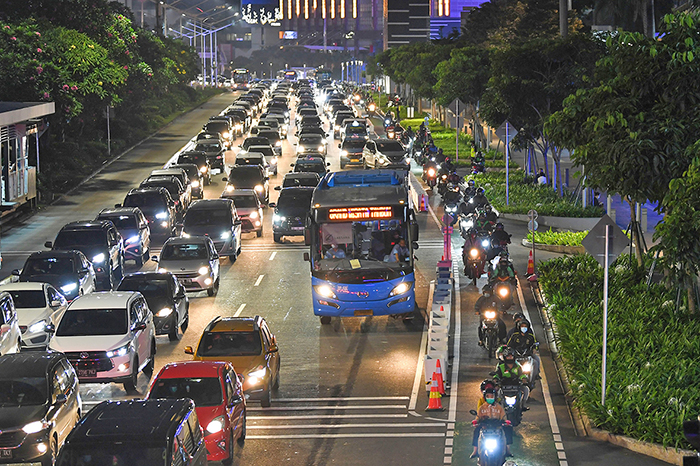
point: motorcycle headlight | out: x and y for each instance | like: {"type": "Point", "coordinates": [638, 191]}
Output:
{"type": "Point", "coordinates": [225, 235]}
{"type": "Point", "coordinates": [431, 172]}
{"type": "Point", "coordinates": [474, 253]}
{"type": "Point", "coordinates": [503, 292]}
{"type": "Point", "coordinates": [527, 367]}
{"type": "Point", "coordinates": [485, 243]}
{"type": "Point", "coordinates": [165, 312]}
{"type": "Point", "coordinates": [195, 184]}
{"type": "Point", "coordinates": [203, 271]}
{"type": "Point", "coordinates": [401, 288]}
{"type": "Point", "coordinates": [510, 400]}
{"type": "Point", "coordinates": [37, 327]}
{"type": "Point", "coordinates": [325, 291]}
{"type": "Point", "coordinates": [490, 444]}
{"type": "Point", "coordinates": [133, 239]}
{"type": "Point", "coordinates": [98, 258]}
{"type": "Point", "coordinates": [121, 351]}
{"type": "Point", "coordinates": [259, 188]}
{"type": "Point", "coordinates": [320, 148]}
{"type": "Point", "coordinates": [336, 127]}
{"type": "Point", "coordinates": [226, 134]}
{"type": "Point", "coordinates": [69, 287]}
{"type": "Point", "coordinates": [490, 314]}
{"type": "Point", "coordinates": [216, 425]}
{"type": "Point", "coordinates": [450, 209]}
{"type": "Point", "coordinates": [36, 426]}
{"type": "Point", "coordinates": [162, 215]}
{"type": "Point", "coordinates": [203, 169]}
{"type": "Point", "coordinates": [278, 143]}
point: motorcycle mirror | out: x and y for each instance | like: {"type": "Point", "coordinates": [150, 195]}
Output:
{"type": "Point", "coordinates": [472, 412]}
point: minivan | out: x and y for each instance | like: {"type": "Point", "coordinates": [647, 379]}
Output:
{"type": "Point", "coordinates": [218, 219]}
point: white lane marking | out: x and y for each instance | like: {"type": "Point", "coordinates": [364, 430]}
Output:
{"type": "Point", "coordinates": [272, 256]}
{"type": "Point", "coordinates": [423, 342]}
{"type": "Point", "coordinates": [326, 408]}
{"type": "Point", "coordinates": [239, 310]}
{"type": "Point", "coordinates": [432, 213]}
{"type": "Point", "coordinates": [324, 416]}
{"type": "Point", "coordinates": [337, 436]}
{"type": "Point", "coordinates": [257, 282]}
{"type": "Point", "coordinates": [341, 398]}
{"type": "Point", "coordinates": [551, 414]}
{"type": "Point", "coordinates": [397, 425]}
{"type": "Point", "coordinates": [454, 385]}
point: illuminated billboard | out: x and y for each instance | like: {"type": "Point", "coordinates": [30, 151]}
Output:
{"type": "Point", "coordinates": [261, 12]}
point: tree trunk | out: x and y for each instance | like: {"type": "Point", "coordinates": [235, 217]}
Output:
{"type": "Point", "coordinates": [691, 300]}
{"type": "Point", "coordinates": [636, 240]}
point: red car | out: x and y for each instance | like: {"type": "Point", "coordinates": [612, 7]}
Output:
{"type": "Point", "coordinates": [218, 398]}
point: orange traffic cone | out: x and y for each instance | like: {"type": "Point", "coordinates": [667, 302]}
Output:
{"type": "Point", "coordinates": [440, 381]}
{"type": "Point", "coordinates": [434, 404]}
{"type": "Point", "coordinates": [530, 265]}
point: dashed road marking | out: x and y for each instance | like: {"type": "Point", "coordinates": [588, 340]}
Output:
{"type": "Point", "coordinates": [272, 256]}
{"type": "Point", "coordinates": [257, 282]}
{"type": "Point", "coordinates": [239, 310]}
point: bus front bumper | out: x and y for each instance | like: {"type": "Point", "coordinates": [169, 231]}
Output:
{"type": "Point", "coordinates": [400, 304]}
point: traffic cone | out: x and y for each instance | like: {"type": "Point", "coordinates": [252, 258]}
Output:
{"type": "Point", "coordinates": [434, 404]}
{"type": "Point", "coordinates": [530, 265]}
{"type": "Point", "coordinates": [440, 382]}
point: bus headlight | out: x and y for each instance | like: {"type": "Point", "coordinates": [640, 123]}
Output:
{"type": "Point", "coordinates": [325, 291]}
{"type": "Point", "coordinates": [401, 288]}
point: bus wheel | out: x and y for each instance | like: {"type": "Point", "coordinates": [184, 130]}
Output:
{"type": "Point", "coordinates": [325, 320]}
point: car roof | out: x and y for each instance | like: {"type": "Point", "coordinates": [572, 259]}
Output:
{"type": "Point", "coordinates": [88, 225]}
{"type": "Point", "coordinates": [302, 175]}
{"type": "Point", "coordinates": [240, 324]}
{"type": "Point", "coordinates": [214, 203]}
{"type": "Point", "coordinates": [69, 253]}
{"type": "Point", "coordinates": [119, 211]}
{"type": "Point", "coordinates": [103, 300]}
{"type": "Point", "coordinates": [191, 240]}
{"type": "Point", "coordinates": [29, 286]}
{"type": "Point", "coordinates": [181, 369]}
{"type": "Point", "coordinates": [29, 363]}
{"type": "Point", "coordinates": [148, 189]}
{"type": "Point", "coordinates": [153, 275]}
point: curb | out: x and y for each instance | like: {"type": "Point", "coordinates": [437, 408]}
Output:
{"type": "Point", "coordinates": [560, 248]}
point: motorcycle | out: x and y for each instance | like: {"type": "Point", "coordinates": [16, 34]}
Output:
{"type": "Point", "coordinates": [478, 167]}
{"type": "Point", "coordinates": [430, 171]}
{"type": "Point", "coordinates": [371, 108]}
{"type": "Point", "coordinates": [512, 399]}
{"type": "Point", "coordinates": [502, 288]}
{"type": "Point", "coordinates": [489, 329]}
{"type": "Point", "coordinates": [452, 209]}
{"type": "Point", "coordinates": [390, 132]}
{"type": "Point", "coordinates": [524, 358]}
{"type": "Point", "coordinates": [492, 442]}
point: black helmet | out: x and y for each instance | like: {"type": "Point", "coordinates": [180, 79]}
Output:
{"type": "Point", "coordinates": [470, 183]}
{"type": "Point", "coordinates": [503, 255]}
{"type": "Point", "coordinates": [523, 323]}
{"type": "Point", "coordinates": [518, 317]}
{"type": "Point", "coordinates": [487, 289]}
{"type": "Point", "coordinates": [480, 190]}
{"type": "Point", "coordinates": [487, 208]}
{"type": "Point", "coordinates": [490, 391]}
{"type": "Point", "coordinates": [508, 357]}
{"type": "Point", "coordinates": [499, 226]}
{"type": "Point", "coordinates": [487, 384]}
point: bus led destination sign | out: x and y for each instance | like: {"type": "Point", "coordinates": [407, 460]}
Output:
{"type": "Point", "coordinates": [359, 214]}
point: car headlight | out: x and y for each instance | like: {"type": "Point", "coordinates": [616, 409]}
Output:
{"type": "Point", "coordinates": [407, 161]}
{"type": "Point", "coordinates": [203, 169]}
{"type": "Point", "coordinates": [226, 134]}
{"type": "Point", "coordinates": [133, 239]}
{"type": "Point", "coordinates": [253, 214]}
{"type": "Point", "coordinates": [278, 143]}
{"type": "Point", "coordinates": [344, 153]}
{"type": "Point", "coordinates": [98, 258]}
{"type": "Point", "coordinates": [336, 127]}
{"type": "Point", "coordinates": [162, 270]}
{"type": "Point", "coordinates": [165, 312]}
{"type": "Point", "coordinates": [474, 253]}
{"type": "Point", "coordinates": [527, 367]}
{"type": "Point", "coordinates": [278, 218]}
{"type": "Point", "coordinates": [195, 184]}
{"type": "Point", "coordinates": [320, 148]}
{"type": "Point", "coordinates": [325, 291]}
{"type": "Point", "coordinates": [490, 314]}
{"type": "Point", "coordinates": [273, 161]}
{"type": "Point", "coordinates": [36, 426]}
{"type": "Point", "coordinates": [258, 373]}
{"type": "Point", "coordinates": [225, 235]}
{"type": "Point", "coordinates": [485, 243]}
{"type": "Point", "coordinates": [401, 288]}
{"type": "Point", "coordinates": [510, 400]}
{"type": "Point", "coordinates": [259, 188]}
{"type": "Point", "coordinates": [185, 235]}
{"type": "Point", "coordinates": [69, 287]}
{"type": "Point", "coordinates": [490, 444]}
{"type": "Point", "coordinates": [37, 327]}
{"type": "Point", "coordinates": [230, 188]}
{"type": "Point", "coordinates": [239, 126]}
{"type": "Point", "coordinates": [203, 270]}
{"type": "Point", "coordinates": [301, 149]}
{"type": "Point", "coordinates": [216, 425]}
{"type": "Point", "coordinates": [121, 351]}
{"type": "Point", "coordinates": [162, 215]}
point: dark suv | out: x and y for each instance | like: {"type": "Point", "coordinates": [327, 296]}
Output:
{"type": "Point", "coordinates": [157, 206]}
{"type": "Point", "coordinates": [101, 243]}
{"type": "Point", "coordinates": [249, 177]}
{"type": "Point", "coordinates": [291, 210]}
{"type": "Point", "coordinates": [198, 158]}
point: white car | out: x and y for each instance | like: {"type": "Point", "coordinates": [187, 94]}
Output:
{"type": "Point", "coordinates": [108, 337]}
{"type": "Point", "coordinates": [39, 307]}
{"type": "Point", "coordinates": [10, 334]}
{"type": "Point", "coordinates": [193, 260]}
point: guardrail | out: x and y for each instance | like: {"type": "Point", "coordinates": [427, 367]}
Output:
{"type": "Point", "coordinates": [439, 322]}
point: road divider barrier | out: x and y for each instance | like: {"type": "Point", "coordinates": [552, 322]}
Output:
{"type": "Point", "coordinates": [419, 198]}
{"type": "Point", "coordinates": [436, 357]}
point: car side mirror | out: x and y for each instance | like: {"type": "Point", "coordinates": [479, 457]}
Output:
{"type": "Point", "coordinates": [139, 326]}
{"type": "Point", "coordinates": [55, 303]}
{"type": "Point", "coordinates": [237, 222]}
{"type": "Point", "coordinates": [224, 179]}
{"type": "Point", "coordinates": [48, 244]}
{"type": "Point", "coordinates": [236, 400]}
{"type": "Point", "coordinates": [328, 164]}
{"type": "Point", "coordinates": [117, 205]}
{"type": "Point", "coordinates": [189, 350]}
{"type": "Point", "coordinates": [415, 245]}
{"type": "Point", "coordinates": [291, 165]}
{"type": "Point", "coordinates": [267, 178]}
{"type": "Point", "coordinates": [278, 188]}
{"type": "Point", "coordinates": [273, 349]}
{"type": "Point", "coordinates": [16, 272]}
{"type": "Point", "coordinates": [181, 294]}
{"type": "Point", "coordinates": [215, 256]}
{"type": "Point", "coordinates": [339, 146]}
{"type": "Point", "coordinates": [83, 272]}
{"type": "Point", "coordinates": [50, 328]}
{"type": "Point", "coordinates": [307, 258]}
{"type": "Point", "coordinates": [272, 204]}
{"type": "Point", "coordinates": [414, 231]}
{"type": "Point", "coordinates": [472, 412]}
{"type": "Point", "coordinates": [154, 258]}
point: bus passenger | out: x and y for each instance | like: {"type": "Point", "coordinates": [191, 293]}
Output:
{"type": "Point", "coordinates": [400, 252]}
{"type": "Point", "coordinates": [335, 252]}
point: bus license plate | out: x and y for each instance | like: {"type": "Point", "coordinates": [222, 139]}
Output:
{"type": "Point", "coordinates": [87, 372]}
{"type": "Point", "coordinates": [5, 453]}
{"type": "Point", "coordinates": [363, 312]}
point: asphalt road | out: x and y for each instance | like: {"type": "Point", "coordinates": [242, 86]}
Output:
{"type": "Point", "coordinates": [349, 391]}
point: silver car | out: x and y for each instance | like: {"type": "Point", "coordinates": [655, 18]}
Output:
{"type": "Point", "coordinates": [10, 335]}
{"type": "Point", "coordinates": [385, 153]}
{"type": "Point", "coordinates": [193, 260]}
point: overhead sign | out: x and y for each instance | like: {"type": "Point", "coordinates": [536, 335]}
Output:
{"type": "Point", "coordinates": [594, 242]}
{"type": "Point", "coordinates": [501, 132]}
{"type": "Point", "coordinates": [289, 35]}
{"type": "Point", "coordinates": [359, 214]}
{"type": "Point", "coordinates": [457, 106]}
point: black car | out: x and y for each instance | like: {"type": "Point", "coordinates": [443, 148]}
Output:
{"type": "Point", "coordinates": [249, 177]}
{"type": "Point", "coordinates": [243, 117]}
{"type": "Point", "coordinates": [133, 227]}
{"type": "Point", "coordinates": [101, 243]}
{"type": "Point", "coordinates": [215, 152]}
{"type": "Point", "coordinates": [299, 179]}
{"type": "Point", "coordinates": [195, 178]}
{"type": "Point", "coordinates": [165, 297]}
{"type": "Point", "coordinates": [40, 406]}
{"type": "Point", "coordinates": [273, 136]}
{"type": "Point", "coordinates": [338, 122]}
{"type": "Point", "coordinates": [351, 152]}
{"type": "Point", "coordinates": [311, 143]}
{"type": "Point", "coordinates": [291, 210]}
{"type": "Point", "coordinates": [311, 164]}
{"type": "Point", "coordinates": [68, 271]}
{"type": "Point", "coordinates": [198, 158]}
{"type": "Point", "coordinates": [177, 191]}
{"type": "Point", "coordinates": [158, 207]}
{"type": "Point", "coordinates": [221, 127]}
{"type": "Point", "coordinates": [253, 141]}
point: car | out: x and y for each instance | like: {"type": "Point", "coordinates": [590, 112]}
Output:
{"type": "Point", "coordinates": [217, 219]}
{"type": "Point", "coordinates": [385, 153]}
{"type": "Point", "coordinates": [248, 344]}
{"type": "Point", "coordinates": [10, 333]}
{"type": "Point", "coordinates": [178, 192]}
{"type": "Point", "coordinates": [194, 177]}
{"type": "Point", "coordinates": [165, 297]}
{"type": "Point", "coordinates": [310, 144]}
{"type": "Point", "coordinates": [273, 138]}
{"type": "Point", "coordinates": [193, 260]}
{"type": "Point", "coordinates": [299, 179]}
{"type": "Point", "coordinates": [68, 271]}
{"type": "Point", "coordinates": [304, 112]}
{"type": "Point", "coordinates": [256, 129]}
{"type": "Point", "coordinates": [351, 152]}
{"type": "Point", "coordinates": [40, 406]}
{"type": "Point", "coordinates": [311, 164]}
{"type": "Point", "coordinates": [198, 158]}
{"type": "Point", "coordinates": [250, 107]}
{"type": "Point", "coordinates": [243, 118]}
{"type": "Point", "coordinates": [221, 127]}
{"type": "Point", "coordinates": [338, 121]}
{"type": "Point", "coordinates": [249, 209]}
{"type": "Point", "coordinates": [354, 129]}
{"type": "Point", "coordinates": [249, 177]}
{"type": "Point", "coordinates": [272, 123]}
{"type": "Point", "coordinates": [308, 130]}
{"type": "Point", "coordinates": [281, 120]}
{"type": "Point", "coordinates": [108, 337]}
{"type": "Point", "coordinates": [181, 175]}
{"type": "Point", "coordinates": [209, 136]}
{"type": "Point", "coordinates": [100, 241]}
{"type": "Point", "coordinates": [255, 158]}
{"type": "Point", "coordinates": [310, 120]}
{"type": "Point", "coordinates": [291, 211]}
{"type": "Point", "coordinates": [158, 207]}
{"type": "Point", "coordinates": [137, 433]}
{"type": "Point", "coordinates": [38, 306]}
{"type": "Point", "coordinates": [218, 397]}
{"type": "Point", "coordinates": [133, 227]}
{"type": "Point", "coordinates": [215, 152]}
{"type": "Point", "coordinates": [269, 154]}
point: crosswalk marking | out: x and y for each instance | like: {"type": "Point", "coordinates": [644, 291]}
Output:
{"type": "Point", "coordinates": [339, 436]}
{"type": "Point", "coordinates": [324, 408]}
{"type": "Point", "coordinates": [397, 425]}
{"type": "Point", "coordinates": [327, 416]}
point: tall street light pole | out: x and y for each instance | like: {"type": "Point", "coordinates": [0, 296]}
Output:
{"type": "Point", "coordinates": [563, 17]}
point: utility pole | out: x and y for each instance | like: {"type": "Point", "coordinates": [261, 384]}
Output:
{"type": "Point", "coordinates": [563, 17]}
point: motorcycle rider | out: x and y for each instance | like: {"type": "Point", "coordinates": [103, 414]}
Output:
{"type": "Point", "coordinates": [471, 189]}
{"type": "Point", "coordinates": [490, 214]}
{"type": "Point", "coordinates": [509, 372]}
{"type": "Point", "coordinates": [499, 240]}
{"type": "Point", "coordinates": [479, 198]}
{"type": "Point", "coordinates": [517, 317]}
{"type": "Point", "coordinates": [504, 269]}
{"type": "Point", "coordinates": [489, 301]}
{"type": "Point", "coordinates": [489, 409]}
{"type": "Point", "coordinates": [483, 224]}
{"type": "Point", "coordinates": [524, 339]}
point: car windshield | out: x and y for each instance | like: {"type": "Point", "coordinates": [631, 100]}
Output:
{"type": "Point", "coordinates": [272, 136]}
{"type": "Point", "coordinates": [353, 145]}
{"type": "Point", "coordinates": [150, 288]}
{"type": "Point", "coordinates": [208, 146]}
{"type": "Point", "coordinates": [83, 238]}
{"type": "Point", "coordinates": [245, 176]}
{"type": "Point", "coordinates": [230, 344]}
{"type": "Point", "coordinates": [313, 167]}
{"type": "Point", "coordinates": [203, 391]}
{"type": "Point", "coordinates": [148, 201]}
{"type": "Point", "coordinates": [197, 159]}
{"type": "Point", "coordinates": [203, 217]}
{"type": "Point", "coordinates": [216, 127]}
{"type": "Point", "coordinates": [355, 129]}
{"type": "Point", "coordinates": [271, 122]}
{"type": "Point", "coordinates": [86, 322]}
{"type": "Point", "coordinates": [341, 116]}
{"type": "Point", "coordinates": [191, 170]}
{"type": "Point", "coordinates": [257, 141]}
{"type": "Point", "coordinates": [122, 222]}
{"type": "Point", "coordinates": [27, 391]}
{"type": "Point", "coordinates": [310, 140]}
{"type": "Point", "coordinates": [48, 266]}
{"type": "Point", "coordinates": [172, 187]}
{"type": "Point", "coordinates": [113, 454]}
{"type": "Point", "coordinates": [293, 198]}
{"type": "Point", "coordinates": [242, 160]}
{"type": "Point", "coordinates": [245, 201]}
{"type": "Point", "coordinates": [299, 181]}
{"type": "Point", "coordinates": [28, 299]}
{"type": "Point", "coordinates": [390, 147]}
{"type": "Point", "coordinates": [265, 150]}
{"type": "Point", "coordinates": [184, 251]}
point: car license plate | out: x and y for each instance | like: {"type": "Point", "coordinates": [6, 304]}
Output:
{"type": "Point", "coordinates": [87, 372]}
{"type": "Point", "coordinates": [5, 453]}
{"type": "Point", "coordinates": [297, 228]}
{"type": "Point", "coordinates": [354, 160]}
{"type": "Point", "coordinates": [364, 312]}
{"type": "Point", "coordinates": [186, 281]}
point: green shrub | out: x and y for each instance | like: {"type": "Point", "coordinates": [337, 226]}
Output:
{"type": "Point", "coordinates": [559, 238]}
{"type": "Point", "coordinates": [652, 371]}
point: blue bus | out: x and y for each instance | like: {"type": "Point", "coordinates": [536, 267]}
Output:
{"type": "Point", "coordinates": [363, 214]}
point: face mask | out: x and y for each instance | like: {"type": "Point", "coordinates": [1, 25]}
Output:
{"type": "Point", "coordinates": [490, 400]}
{"type": "Point", "coordinates": [523, 329]}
